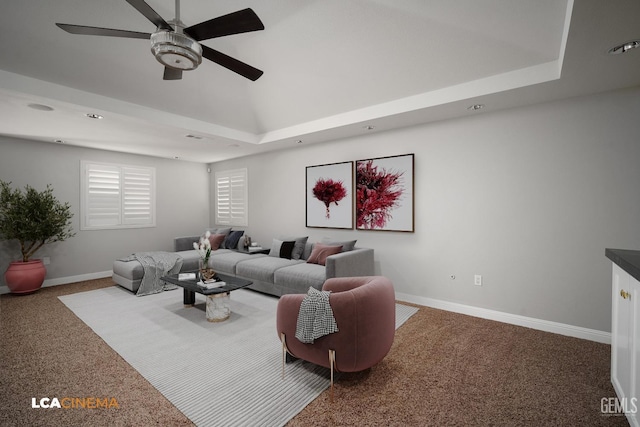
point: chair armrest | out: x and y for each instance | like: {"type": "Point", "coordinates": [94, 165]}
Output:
{"type": "Point", "coordinates": [358, 262]}
{"type": "Point", "coordinates": [184, 243]}
{"type": "Point", "coordinates": [287, 314]}
{"type": "Point", "coordinates": [343, 284]}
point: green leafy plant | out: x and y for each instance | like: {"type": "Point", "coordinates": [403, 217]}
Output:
{"type": "Point", "coordinates": [33, 218]}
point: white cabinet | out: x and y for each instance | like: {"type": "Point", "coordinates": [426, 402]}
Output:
{"type": "Point", "coordinates": [625, 345]}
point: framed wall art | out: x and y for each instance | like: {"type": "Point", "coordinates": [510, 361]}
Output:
{"type": "Point", "coordinates": [384, 193]}
{"type": "Point", "coordinates": [329, 195]}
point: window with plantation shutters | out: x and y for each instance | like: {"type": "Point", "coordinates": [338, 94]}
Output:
{"type": "Point", "coordinates": [231, 197]}
{"type": "Point", "coordinates": [117, 196]}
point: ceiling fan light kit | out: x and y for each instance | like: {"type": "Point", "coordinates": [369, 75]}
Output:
{"type": "Point", "coordinates": [176, 50]}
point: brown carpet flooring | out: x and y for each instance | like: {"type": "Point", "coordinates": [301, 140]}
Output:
{"type": "Point", "coordinates": [444, 369]}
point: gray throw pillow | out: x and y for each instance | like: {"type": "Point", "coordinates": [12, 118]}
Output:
{"type": "Point", "coordinates": [347, 245]}
{"type": "Point", "coordinates": [298, 248]}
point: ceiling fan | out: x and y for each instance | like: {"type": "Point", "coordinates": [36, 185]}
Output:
{"type": "Point", "coordinates": [177, 47]}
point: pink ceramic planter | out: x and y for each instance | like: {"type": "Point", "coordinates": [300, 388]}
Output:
{"type": "Point", "coordinates": [25, 277]}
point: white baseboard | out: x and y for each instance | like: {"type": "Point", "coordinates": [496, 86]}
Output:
{"type": "Point", "coordinates": [484, 313]}
{"type": "Point", "coordinates": [513, 319]}
{"type": "Point", "coordinates": [69, 279]}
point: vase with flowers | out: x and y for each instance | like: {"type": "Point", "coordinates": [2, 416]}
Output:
{"type": "Point", "coordinates": [204, 250]}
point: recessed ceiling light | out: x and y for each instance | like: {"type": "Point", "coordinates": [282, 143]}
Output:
{"type": "Point", "coordinates": [624, 47]}
{"type": "Point", "coordinates": [94, 116]}
{"type": "Point", "coordinates": [40, 107]}
{"type": "Point", "coordinates": [475, 107]}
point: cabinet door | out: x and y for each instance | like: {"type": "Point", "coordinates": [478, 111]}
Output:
{"type": "Point", "coordinates": [625, 342]}
{"type": "Point", "coordinates": [634, 390]}
{"type": "Point", "coordinates": [620, 334]}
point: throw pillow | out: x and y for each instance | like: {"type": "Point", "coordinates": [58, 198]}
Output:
{"type": "Point", "coordinates": [275, 248]}
{"type": "Point", "coordinates": [298, 249]}
{"type": "Point", "coordinates": [232, 239]}
{"type": "Point", "coordinates": [216, 240]}
{"type": "Point", "coordinates": [286, 249]}
{"type": "Point", "coordinates": [280, 249]}
{"type": "Point", "coordinates": [320, 253]}
{"type": "Point", "coordinates": [347, 245]}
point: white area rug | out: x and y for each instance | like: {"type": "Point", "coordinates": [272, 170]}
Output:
{"type": "Point", "coordinates": [217, 374]}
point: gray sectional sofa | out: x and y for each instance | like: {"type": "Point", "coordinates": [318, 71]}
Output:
{"type": "Point", "coordinates": [278, 276]}
{"type": "Point", "coordinates": [270, 273]}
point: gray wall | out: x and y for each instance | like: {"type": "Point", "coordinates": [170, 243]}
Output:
{"type": "Point", "coordinates": [529, 198]}
{"type": "Point", "coordinates": [182, 204]}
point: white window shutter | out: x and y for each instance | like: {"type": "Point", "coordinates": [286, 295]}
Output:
{"type": "Point", "coordinates": [231, 197]}
{"type": "Point", "coordinates": [137, 196]}
{"type": "Point", "coordinates": [116, 196]}
{"type": "Point", "coordinates": [102, 196]}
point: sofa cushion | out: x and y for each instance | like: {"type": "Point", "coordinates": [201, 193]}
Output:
{"type": "Point", "coordinates": [320, 253]}
{"type": "Point", "coordinates": [301, 276]}
{"type": "Point", "coordinates": [131, 270]}
{"type": "Point", "coordinates": [226, 262]}
{"type": "Point", "coordinates": [232, 239]}
{"type": "Point", "coordinates": [190, 258]}
{"type": "Point", "coordinates": [263, 268]}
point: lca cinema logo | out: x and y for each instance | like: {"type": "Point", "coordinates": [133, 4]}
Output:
{"type": "Point", "coordinates": [615, 406]}
{"type": "Point", "coordinates": [75, 403]}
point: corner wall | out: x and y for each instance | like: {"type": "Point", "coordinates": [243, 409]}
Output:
{"type": "Point", "coordinates": [182, 206]}
{"type": "Point", "coordinates": [529, 198]}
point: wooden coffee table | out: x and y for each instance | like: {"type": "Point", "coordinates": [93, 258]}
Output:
{"type": "Point", "coordinates": [218, 309]}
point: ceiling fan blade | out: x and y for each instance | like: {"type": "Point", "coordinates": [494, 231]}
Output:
{"type": "Point", "coordinates": [172, 74]}
{"type": "Point", "coordinates": [157, 20]}
{"type": "Point", "coordinates": [242, 21]}
{"type": "Point", "coordinates": [232, 64]}
{"type": "Point", "coordinates": [97, 31]}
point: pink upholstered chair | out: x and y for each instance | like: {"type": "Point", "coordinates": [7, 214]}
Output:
{"type": "Point", "coordinates": [364, 310]}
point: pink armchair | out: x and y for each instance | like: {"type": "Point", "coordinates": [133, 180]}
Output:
{"type": "Point", "coordinates": [364, 309]}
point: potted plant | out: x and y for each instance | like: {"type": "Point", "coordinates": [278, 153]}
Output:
{"type": "Point", "coordinates": [33, 219]}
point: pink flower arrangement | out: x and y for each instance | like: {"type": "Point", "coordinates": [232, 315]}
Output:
{"type": "Point", "coordinates": [377, 193]}
{"type": "Point", "coordinates": [329, 191]}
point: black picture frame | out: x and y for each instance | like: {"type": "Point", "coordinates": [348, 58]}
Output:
{"type": "Point", "coordinates": [384, 193]}
{"type": "Point", "coordinates": [329, 195]}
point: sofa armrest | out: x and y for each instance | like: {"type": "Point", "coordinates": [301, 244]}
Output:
{"type": "Point", "coordinates": [184, 243]}
{"type": "Point", "coordinates": [358, 262]}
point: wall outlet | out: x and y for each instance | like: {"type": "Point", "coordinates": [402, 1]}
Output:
{"type": "Point", "coordinates": [477, 280]}
{"type": "Point", "coordinates": [46, 260]}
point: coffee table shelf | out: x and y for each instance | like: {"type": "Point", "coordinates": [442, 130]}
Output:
{"type": "Point", "coordinates": [218, 308]}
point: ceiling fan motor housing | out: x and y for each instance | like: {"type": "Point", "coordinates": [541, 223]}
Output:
{"type": "Point", "coordinates": [176, 50]}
